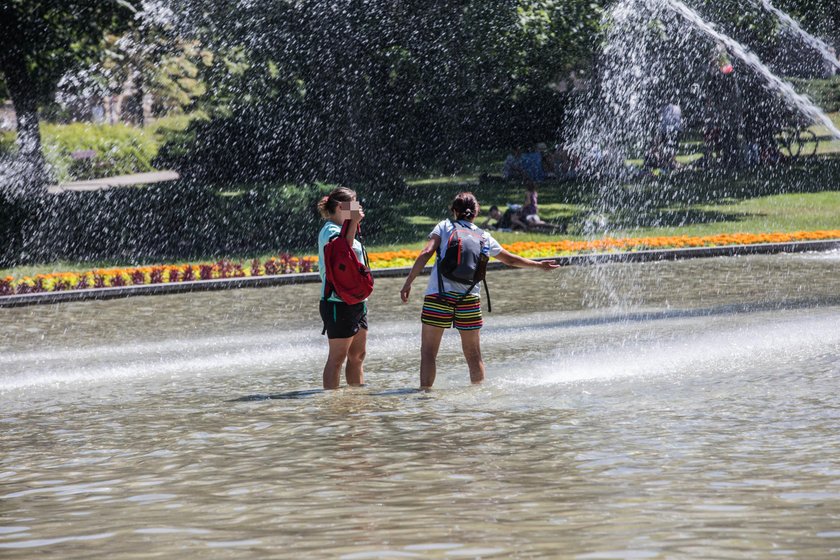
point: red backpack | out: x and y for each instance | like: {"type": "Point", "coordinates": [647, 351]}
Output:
{"type": "Point", "coordinates": [346, 276]}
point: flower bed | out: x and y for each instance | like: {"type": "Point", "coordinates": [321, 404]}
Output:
{"type": "Point", "coordinates": [287, 264]}
{"type": "Point", "coordinates": [561, 248]}
{"type": "Point", "coordinates": [118, 277]}
{"type": "Point", "coordinates": [540, 249]}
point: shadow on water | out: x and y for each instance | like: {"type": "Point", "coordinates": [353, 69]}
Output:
{"type": "Point", "coordinates": [289, 395]}
{"type": "Point", "coordinates": [307, 393]}
{"type": "Point", "coordinates": [399, 392]}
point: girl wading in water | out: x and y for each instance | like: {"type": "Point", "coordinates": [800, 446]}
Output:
{"type": "Point", "coordinates": [449, 302]}
{"type": "Point", "coordinates": [345, 324]}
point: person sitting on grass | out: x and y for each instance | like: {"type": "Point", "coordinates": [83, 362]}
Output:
{"type": "Point", "coordinates": [514, 166]}
{"type": "Point", "coordinates": [528, 218]}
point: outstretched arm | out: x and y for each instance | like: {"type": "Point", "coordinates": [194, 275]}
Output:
{"type": "Point", "coordinates": [521, 262]}
{"type": "Point", "coordinates": [424, 256]}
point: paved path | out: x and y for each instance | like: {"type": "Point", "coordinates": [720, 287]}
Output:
{"type": "Point", "coordinates": [118, 181]}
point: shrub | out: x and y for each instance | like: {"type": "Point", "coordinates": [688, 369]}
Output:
{"type": "Point", "coordinates": [119, 149]}
{"type": "Point", "coordinates": [173, 221]}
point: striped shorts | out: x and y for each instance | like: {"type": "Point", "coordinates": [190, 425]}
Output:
{"type": "Point", "coordinates": [442, 310]}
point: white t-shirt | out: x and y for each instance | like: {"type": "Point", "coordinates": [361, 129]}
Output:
{"type": "Point", "coordinates": [443, 230]}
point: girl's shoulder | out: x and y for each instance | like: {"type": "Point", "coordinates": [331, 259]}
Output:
{"type": "Point", "coordinates": [329, 225]}
{"type": "Point", "coordinates": [328, 230]}
{"type": "Point", "coordinates": [442, 227]}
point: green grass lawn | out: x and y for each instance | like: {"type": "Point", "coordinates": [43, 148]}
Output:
{"type": "Point", "coordinates": [801, 211]}
{"type": "Point", "coordinates": [735, 210]}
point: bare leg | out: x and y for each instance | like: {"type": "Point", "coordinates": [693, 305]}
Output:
{"type": "Point", "coordinates": [332, 369]}
{"type": "Point", "coordinates": [429, 345]}
{"type": "Point", "coordinates": [471, 345]}
{"type": "Point", "coordinates": [355, 359]}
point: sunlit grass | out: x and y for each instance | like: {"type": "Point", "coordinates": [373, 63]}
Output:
{"type": "Point", "coordinates": [776, 213]}
{"type": "Point", "coordinates": [442, 180]}
{"type": "Point", "coordinates": [827, 143]}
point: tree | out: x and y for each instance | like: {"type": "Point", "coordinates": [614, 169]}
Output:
{"type": "Point", "coordinates": [40, 40]}
{"type": "Point", "coordinates": [359, 90]}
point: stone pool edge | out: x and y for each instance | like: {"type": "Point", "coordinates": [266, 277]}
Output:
{"type": "Point", "coordinates": [309, 277]}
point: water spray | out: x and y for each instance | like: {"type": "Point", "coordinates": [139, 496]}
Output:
{"type": "Point", "coordinates": [812, 41]}
{"type": "Point", "coordinates": [802, 103]}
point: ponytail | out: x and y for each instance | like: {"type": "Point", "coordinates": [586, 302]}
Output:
{"type": "Point", "coordinates": [465, 206]}
{"type": "Point", "coordinates": [329, 203]}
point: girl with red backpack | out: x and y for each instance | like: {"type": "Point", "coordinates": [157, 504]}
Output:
{"type": "Point", "coordinates": [453, 293]}
{"type": "Point", "coordinates": [345, 284]}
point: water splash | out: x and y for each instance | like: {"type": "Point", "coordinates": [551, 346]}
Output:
{"type": "Point", "coordinates": [798, 101]}
{"type": "Point", "coordinates": [658, 52]}
{"type": "Point", "coordinates": [686, 348]}
{"type": "Point", "coordinates": [815, 42]}
{"type": "Point", "coordinates": [637, 64]}
{"type": "Point", "coordinates": [613, 123]}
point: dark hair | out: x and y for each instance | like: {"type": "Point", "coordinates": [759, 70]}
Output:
{"type": "Point", "coordinates": [465, 206]}
{"type": "Point", "coordinates": [494, 207]}
{"type": "Point", "coordinates": [328, 204]}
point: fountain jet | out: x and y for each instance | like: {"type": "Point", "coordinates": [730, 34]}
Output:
{"type": "Point", "coordinates": [800, 102]}
{"type": "Point", "coordinates": [815, 42]}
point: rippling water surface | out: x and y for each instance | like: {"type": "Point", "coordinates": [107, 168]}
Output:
{"type": "Point", "coordinates": [672, 410]}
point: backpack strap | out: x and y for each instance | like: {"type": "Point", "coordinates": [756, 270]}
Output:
{"type": "Point", "coordinates": [463, 296]}
{"type": "Point", "coordinates": [439, 273]}
{"type": "Point", "coordinates": [329, 289]}
{"type": "Point", "coordinates": [362, 243]}
{"type": "Point", "coordinates": [344, 228]}
{"type": "Point", "coordinates": [473, 285]}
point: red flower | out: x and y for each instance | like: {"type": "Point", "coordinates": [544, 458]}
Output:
{"type": "Point", "coordinates": [156, 275]}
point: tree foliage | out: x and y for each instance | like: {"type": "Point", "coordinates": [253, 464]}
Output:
{"type": "Point", "coordinates": [40, 40]}
{"type": "Point", "coordinates": [356, 90]}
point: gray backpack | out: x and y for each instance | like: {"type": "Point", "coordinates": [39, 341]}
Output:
{"type": "Point", "coordinates": [465, 260]}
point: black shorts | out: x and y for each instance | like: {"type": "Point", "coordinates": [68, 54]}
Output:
{"type": "Point", "coordinates": [342, 320]}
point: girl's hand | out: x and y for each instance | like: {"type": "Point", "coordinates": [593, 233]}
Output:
{"type": "Point", "coordinates": [404, 293]}
{"type": "Point", "coordinates": [549, 265]}
{"type": "Point", "coordinates": [351, 210]}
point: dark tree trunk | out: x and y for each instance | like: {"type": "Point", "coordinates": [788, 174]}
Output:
{"type": "Point", "coordinates": [133, 99]}
{"type": "Point", "coordinates": [22, 92]}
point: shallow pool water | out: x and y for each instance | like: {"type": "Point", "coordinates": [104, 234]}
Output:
{"type": "Point", "coordinates": [671, 410]}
